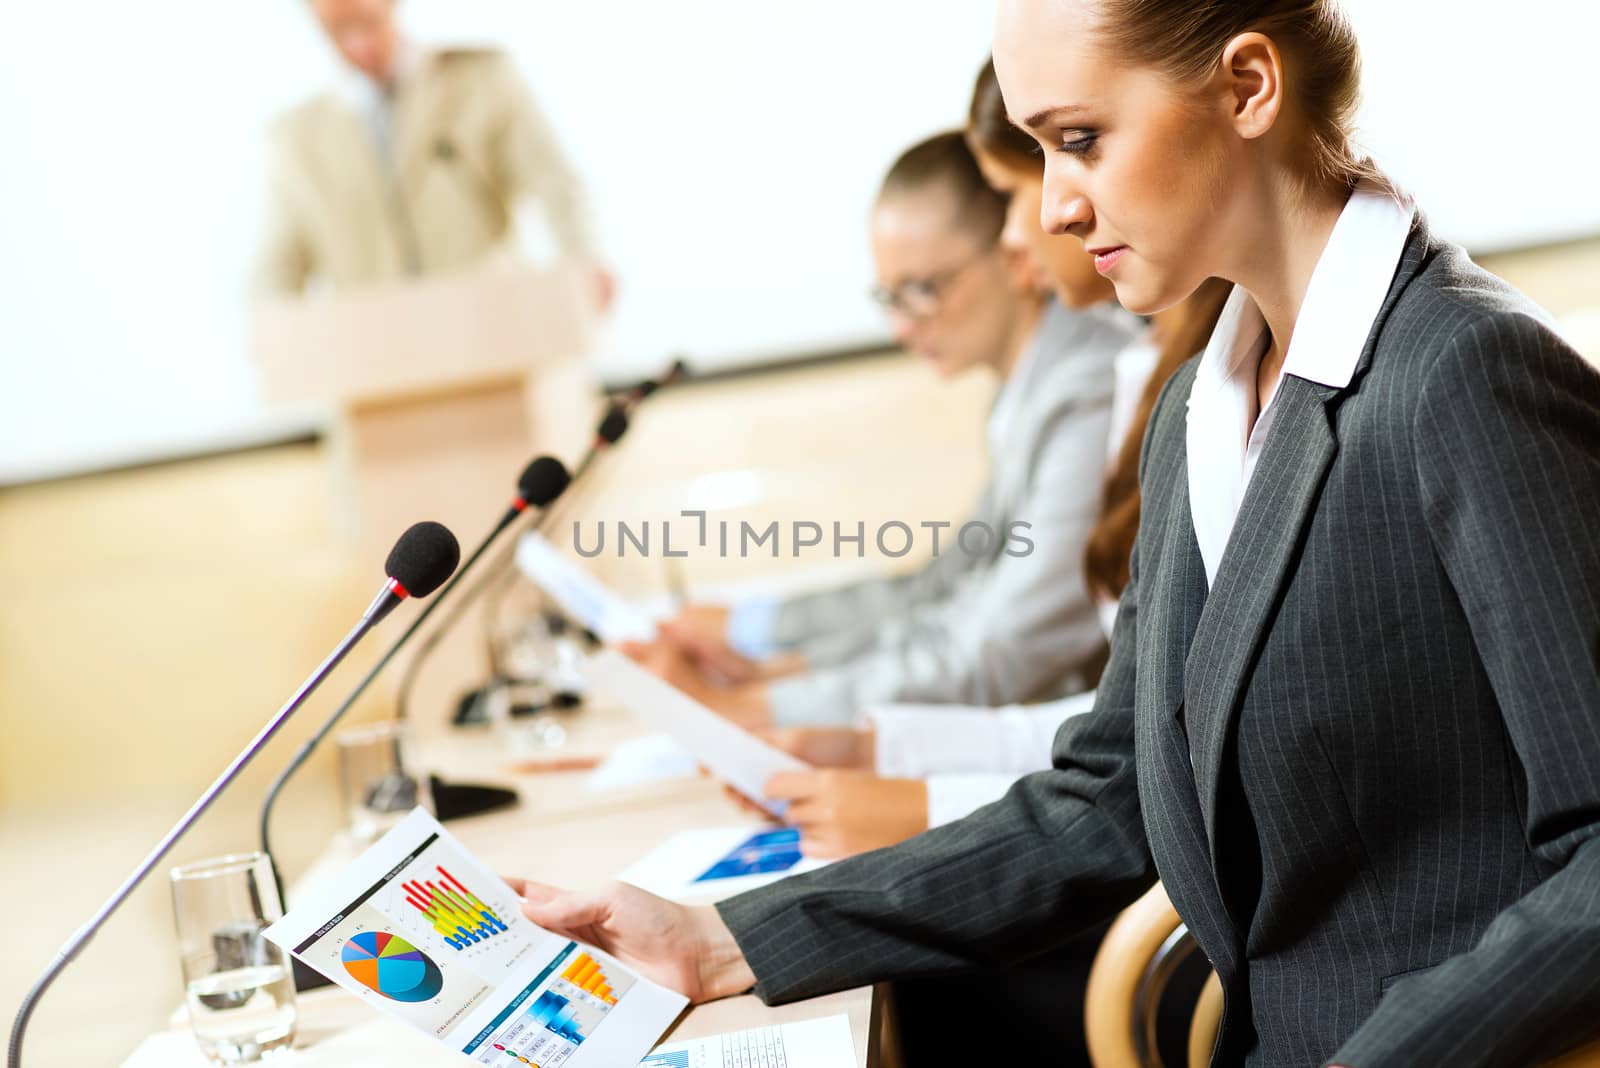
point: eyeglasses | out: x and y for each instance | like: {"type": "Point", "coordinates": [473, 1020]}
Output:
{"type": "Point", "coordinates": [920, 298]}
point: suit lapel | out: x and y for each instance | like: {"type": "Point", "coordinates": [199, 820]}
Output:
{"type": "Point", "coordinates": [1280, 500]}
{"type": "Point", "coordinates": [1257, 563]}
{"type": "Point", "coordinates": [425, 115]}
{"type": "Point", "coordinates": [1171, 600]}
{"type": "Point", "coordinates": [1181, 578]}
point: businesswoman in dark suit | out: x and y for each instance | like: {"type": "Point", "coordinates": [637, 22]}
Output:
{"type": "Point", "coordinates": [1352, 713]}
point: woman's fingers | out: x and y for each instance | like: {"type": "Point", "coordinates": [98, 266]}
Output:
{"type": "Point", "coordinates": [791, 786]}
{"type": "Point", "coordinates": [529, 890]}
{"type": "Point", "coordinates": [558, 910]}
{"type": "Point", "coordinates": [747, 805]}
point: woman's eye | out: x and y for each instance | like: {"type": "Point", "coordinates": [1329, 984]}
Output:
{"type": "Point", "coordinates": [1078, 143]}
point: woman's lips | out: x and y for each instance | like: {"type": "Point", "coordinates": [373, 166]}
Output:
{"type": "Point", "coordinates": [1106, 258]}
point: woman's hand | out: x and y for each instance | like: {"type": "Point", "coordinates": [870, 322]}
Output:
{"type": "Point", "coordinates": [745, 704]}
{"type": "Point", "coordinates": [828, 747]}
{"type": "Point", "coordinates": [700, 632]}
{"type": "Point", "coordinates": [841, 813]}
{"type": "Point", "coordinates": [688, 949]}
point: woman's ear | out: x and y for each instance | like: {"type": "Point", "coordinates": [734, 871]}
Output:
{"type": "Point", "coordinates": [1252, 70]}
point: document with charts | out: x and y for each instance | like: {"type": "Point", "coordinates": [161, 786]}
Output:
{"type": "Point", "coordinates": [821, 1043]}
{"type": "Point", "coordinates": [418, 929]}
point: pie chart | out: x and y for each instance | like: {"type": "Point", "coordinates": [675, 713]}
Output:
{"type": "Point", "coordinates": [391, 966]}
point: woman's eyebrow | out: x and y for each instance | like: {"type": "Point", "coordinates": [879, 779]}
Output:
{"type": "Point", "coordinates": [1037, 119]}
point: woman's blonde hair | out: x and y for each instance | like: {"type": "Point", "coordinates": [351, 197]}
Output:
{"type": "Point", "coordinates": [1185, 39]}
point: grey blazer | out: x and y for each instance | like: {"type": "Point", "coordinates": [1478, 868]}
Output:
{"type": "Point", "coordinates": [987, 628]}
{"type": "Point", "coordinates": [1366, 765]}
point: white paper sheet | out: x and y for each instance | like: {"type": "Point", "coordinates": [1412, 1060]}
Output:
{"type": "Point", "coordinates": [583, 597]}
{"type": "Point", "coordinates": [731, 753]}
{"type": "Point", "coordinates": [821, 1043]}
{"type": "Point", "coordinates": [417, 928]}
{"type": "Point", "coordinates": [719, 861]}
{"type": "Point", "coordinates": [652, 758]}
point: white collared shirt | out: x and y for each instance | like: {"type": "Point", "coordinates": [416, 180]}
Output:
{"type": "Point", "coordinates": [373, 102]}
{"type": "Point", "coordinates": [1347, 290]}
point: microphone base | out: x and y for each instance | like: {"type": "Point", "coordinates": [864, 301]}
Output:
{"type": "Point", "coordinates": [472, 709]}
{"type": "Point", "coordinates": [458, 800]}
{"type": "Point", "coordinates": [307, 977]}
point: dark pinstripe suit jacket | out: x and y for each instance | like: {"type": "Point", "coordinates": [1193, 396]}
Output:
{"type": "Point", "coordinates": [1365, 764]}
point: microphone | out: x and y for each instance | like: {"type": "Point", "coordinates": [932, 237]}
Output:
{"type": "Point", "coordinates": [421, 561]}
{"type": "Point", "coordinates": [675, 374]}
{"type": "Point", "coordinates": [612, 426]}
{"type": "Point", "coordinates": [614, 423]}
{"type": "Point", "coordinates": [541, 482]}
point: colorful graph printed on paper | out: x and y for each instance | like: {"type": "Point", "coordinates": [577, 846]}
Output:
{"type": "Point", "coordinates": [559, 1017]}
{"type": "Point", "coordinates": [456, 913]}
{"type": "Point", "coordinates": [767, 851]}
{"type": "Point", "coordinates": [387, 964]}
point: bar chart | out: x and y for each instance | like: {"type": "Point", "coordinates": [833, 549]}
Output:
{"type": "Point", "coordinates": [586, 974]}
{"type": "Point", "coordinates": [457, 914]}
{"type": "Point", "coordinates": [559, 1016]}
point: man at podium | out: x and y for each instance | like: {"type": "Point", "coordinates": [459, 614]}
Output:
{"type": "Point", "coordinates": [416, 161]}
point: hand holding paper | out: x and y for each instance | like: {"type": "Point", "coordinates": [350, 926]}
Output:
{"type": "Point", "coordinates": [417, 928]}
{"type": "Point", "coordinates": [688, 949]}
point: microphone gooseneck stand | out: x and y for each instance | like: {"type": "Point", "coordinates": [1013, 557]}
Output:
{"type": "Point", "coordinates": [421, 560]}
{"type": "Point", "coordinates": [79, 940]}
{"type": "Point", "coordinates": [544, 479]}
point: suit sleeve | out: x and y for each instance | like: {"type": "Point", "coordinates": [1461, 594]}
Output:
{"type": "Point", "coordinates": [283, 262]}
{"type": "Point", "coordinates": [1062, 850]}
{"type": "Point", "coordinates": [1011, 637]}
{"type": "Point", "coordinates": [1507, 440]}
{"type": "Point", "coordinates": [530, 165]}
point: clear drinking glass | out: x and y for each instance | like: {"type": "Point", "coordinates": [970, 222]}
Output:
{"type": "Point", "coordinates": [376, 784]}
{"type": "Point", "coordinates": [237, 985]}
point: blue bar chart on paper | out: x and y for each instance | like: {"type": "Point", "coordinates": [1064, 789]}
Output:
{"type": "Point", "coordinates": [559, 1018]}
{"type": "Point", "coordinates": [678, 1058]}
{"type": "Point", "coordinates": [766, 851]}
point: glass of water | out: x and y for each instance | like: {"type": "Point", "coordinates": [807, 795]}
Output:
{"type": "Point", "coordinates": [237, 985]}
{"type": "Point", "coordinates": [376, 782]}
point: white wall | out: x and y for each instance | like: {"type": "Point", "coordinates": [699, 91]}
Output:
{"type": "Point", "coordinates": [732, 149]}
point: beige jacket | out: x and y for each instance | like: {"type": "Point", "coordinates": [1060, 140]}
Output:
{"type": "Point", "coordinates": [470, 150]}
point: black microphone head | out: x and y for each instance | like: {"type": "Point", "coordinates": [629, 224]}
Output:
{"type": "Point", "coordinates": [543, 481]}
{"type": "Point", "coordinates": [424, 557]}
{"type": "Point", "coordinates": [613, 424]}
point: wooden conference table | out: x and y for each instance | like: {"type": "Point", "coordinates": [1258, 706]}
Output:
{"type": "Point", "coordinates": [561, 833]}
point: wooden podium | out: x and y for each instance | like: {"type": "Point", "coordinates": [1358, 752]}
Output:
{"type": "Point", "coordinates": [445, 387]}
